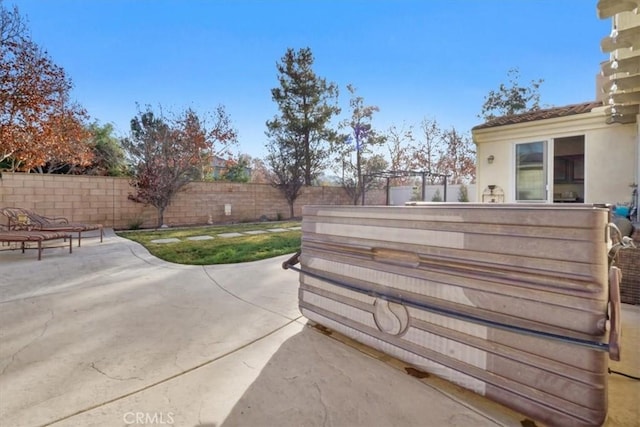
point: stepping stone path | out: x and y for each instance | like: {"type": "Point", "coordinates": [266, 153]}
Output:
{"type": "Point", "coordinates": [227, 235]}
{"type": "Point", "coordinates": [200, 238]}
{"type": "Point", "coordinates": [171, 240]}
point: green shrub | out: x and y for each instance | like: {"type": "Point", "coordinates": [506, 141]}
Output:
{"type": "Point", "coordinates": [463, 194]}
{"type": "Point", "coordinates": [135, 222]}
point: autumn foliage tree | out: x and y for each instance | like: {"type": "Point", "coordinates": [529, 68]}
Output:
{"type": "Point", "coordinates": [169, 152]}
{"type": "Point", "coordinates": [443, 152]}
{"type": "Point", "coordinates": [458, 160]}
{"type": "Point", "coordinates": [40, 128]}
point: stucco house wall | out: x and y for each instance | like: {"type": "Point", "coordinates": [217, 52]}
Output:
{"type": "Point", "coordinates": [611, 163]}
{"type": "Point", "coordinates": [611, 155]}
{"type": "Point", "coordinates": [606, 132]}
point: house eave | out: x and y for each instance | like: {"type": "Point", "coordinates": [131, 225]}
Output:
{"type": "Point", "coordinates": [544, 128]}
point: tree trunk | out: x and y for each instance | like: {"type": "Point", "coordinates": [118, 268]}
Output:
{"type": "Point", "coordinates": [291, 209]}
{"type": "Point", "coordinates": [359, 182]}
{"type": "Point", "coordinates": [160, 217]}
{"type": "Point", "coordinates": [307, 161]}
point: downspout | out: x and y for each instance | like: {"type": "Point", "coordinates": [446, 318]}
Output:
{"type": "Point", "coordinates": [637, 219]}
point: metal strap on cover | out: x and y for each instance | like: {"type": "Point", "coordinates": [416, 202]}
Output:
{"type": "Point", "coordinates": [615, 277]}
{"type": "Point", "coordinates": [612, 347]}
{"type": "Point", "coordinates": [622, 243]}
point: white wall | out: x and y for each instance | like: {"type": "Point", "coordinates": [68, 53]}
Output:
{"type": "Point", "coordinates": [402, 194]}
{"type": "Point", "coordinates": [611, 154]}
{"type": "Point", "coordinates": [610, 164]}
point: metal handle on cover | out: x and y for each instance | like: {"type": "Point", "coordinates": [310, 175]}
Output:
{"type": "Point", "coordinates": [291, 261]}
{"type": "Point", "coordinates": [615, 275]}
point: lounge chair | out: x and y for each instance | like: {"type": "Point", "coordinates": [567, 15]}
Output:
{"type": "Point", "coordinates": [23, 237]}
{"type": "Point", "coordinates": [24, 219]}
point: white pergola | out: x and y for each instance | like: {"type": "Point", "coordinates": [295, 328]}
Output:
{"type": "Point", "coordinates": [621, 73]}
{"type": "Point", "coordinates": [622, 70]}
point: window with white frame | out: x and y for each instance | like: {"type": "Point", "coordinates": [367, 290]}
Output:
{"type": "Point", "coordinates": [531, 175]}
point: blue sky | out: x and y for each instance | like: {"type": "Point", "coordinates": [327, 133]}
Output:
{"type": "Point", "coordinates": [411, 58]}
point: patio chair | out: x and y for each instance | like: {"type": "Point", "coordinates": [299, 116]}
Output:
{"type": "Point", "coordinates": [23, 237]}
{"type": "Point", "coordinates": [24, 219]}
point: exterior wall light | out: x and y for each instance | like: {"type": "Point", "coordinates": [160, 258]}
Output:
{"type": "Point", "coordinates": [490, 159]}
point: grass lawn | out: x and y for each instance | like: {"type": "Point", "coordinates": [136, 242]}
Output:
{"type": "Point", "coordinates": [219, 250]}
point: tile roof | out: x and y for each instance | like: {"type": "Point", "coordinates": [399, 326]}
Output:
{"type": "Point", "coordinates": [548, 113]}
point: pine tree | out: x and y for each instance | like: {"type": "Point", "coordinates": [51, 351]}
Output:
{"type": "Point", "coordinates": [306, 103]}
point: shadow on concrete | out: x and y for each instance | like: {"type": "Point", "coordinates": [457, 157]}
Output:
{"type": "Point", "coordinates": [313, 380]}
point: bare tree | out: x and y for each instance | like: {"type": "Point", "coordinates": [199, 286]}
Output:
{"type": "Point", "coordinates": [260, 173]}
{"type": "Point", "coordinates": [286, 171]}
{"type": "Point", "coordinates": [354, 150]}
{"type": "Point", "coordinates": [399, 143]}
{"type": "Point", "coordinates": [428, 150]}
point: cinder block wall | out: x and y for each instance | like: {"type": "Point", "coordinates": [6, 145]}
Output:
{"type": "Point", "coordinates": [79, 198]}
{"type": "Point", "coordinates": [105, 200]}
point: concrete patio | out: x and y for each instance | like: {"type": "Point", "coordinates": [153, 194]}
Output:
{"type": "Point", "coordinates": [110, 335]}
